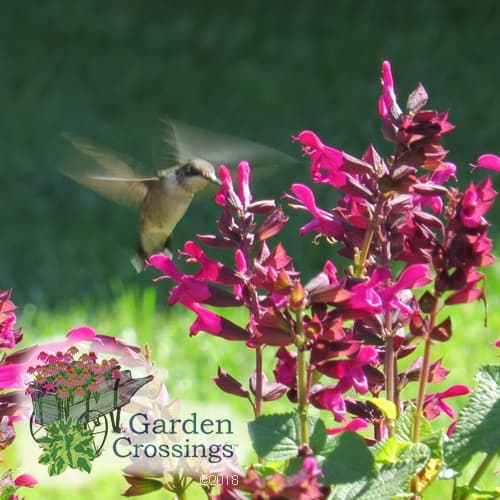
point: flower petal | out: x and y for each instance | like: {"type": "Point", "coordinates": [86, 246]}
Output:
{"type": "Point", "coordinates": [489, 161]}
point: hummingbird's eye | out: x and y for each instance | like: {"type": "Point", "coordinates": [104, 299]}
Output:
{"type": "Point", "coordinates": [191, 170]}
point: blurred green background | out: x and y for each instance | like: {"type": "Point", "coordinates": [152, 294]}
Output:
{"type": "Point", "coordinates": [110, 70]}
{"type": "Point", "coordinates": [259, 70]}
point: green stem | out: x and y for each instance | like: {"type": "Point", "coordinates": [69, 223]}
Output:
{"type": "Point", "coordinates": [422, 385]}
{"type": "Point", "coordinates": [422, 388]}
{"type": "Point", "coordinates": [424, 373]}
{"type": "Point", "coordinates": [368, 238]}
{"type": "Point", "coordinates": [302, 378]}
{"type": "Point", "coordinates": [254, 308]}
{"type": "Point", "coordinates": [389, 370]}
{"type": "Point", "coordinates": [483, 466]}
{"type": "Point", "coordinates": [302, 395]}
{"type": "Point", "coordinates": [179, 487]}
{"type": "Point", "coordinates": [181, 495]}
{"type": "Point", "coordinates": [258, 381]}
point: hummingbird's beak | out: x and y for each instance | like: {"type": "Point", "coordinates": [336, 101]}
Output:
{"type": "Point", "coordinates": [214, 180]}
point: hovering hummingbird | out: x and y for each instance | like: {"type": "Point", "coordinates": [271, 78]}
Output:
{"type": "Point", "coordinates": [164, 198]}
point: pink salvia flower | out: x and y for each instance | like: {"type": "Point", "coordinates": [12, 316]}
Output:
{"type": "Point", "coordinates": [435, 403]}
{"type": "Point", "coordinates": [227, 185]}
{"type": "Point", "coordinates": [210, 269]}
{"type": "Point", "coordinates": [387, 102]}
{"type": "Point", "coordinates": [26, 480]}
{"type": "Point", "coordinates": [489, 161]}
{"type": "Point", "coordinates": [350, 372]}
{"type": "Point", "coordinates": [243, 184]}
{"type": "Point", "coordinates": [326, 162]}
{"type": "Point", "coordinates": [354, 425]}
{"type": "Point", "coordinates": [477, 200]}
{"type": "Point", "coordinates": [285, 371]}
{"type": "Point", "coordinates": [329, 398]}
{"type": "Point", "coordinates": [323, 222]}
{"type": "Point", "coordinates": [210, 322]}
{"type": "Point", "coordinates": [165, 265]}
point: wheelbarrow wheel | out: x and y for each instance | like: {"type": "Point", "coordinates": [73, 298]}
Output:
{"type": "Point", "coordinates": [97, 424]}
{"type": "Point", "coordinates": [37, 430]}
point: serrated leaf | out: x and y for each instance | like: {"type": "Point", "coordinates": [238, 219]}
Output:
{"type": "Point", "coordinates": [350, 460]}
{"type": "Point", "coordinates": [318, 437]}
{"type": "Point", "coordinates": [387, 451]}
{"type": "Point", "coordinates": [275, 437]}
{"type": "Point", "coordinates": [403, 426]}
{"type": "Point", "coordinates": [478, 424]}
{"type": "Point", "coordinates": [435, 443]}
{"type": "Point", "coordinates": [390, 480]}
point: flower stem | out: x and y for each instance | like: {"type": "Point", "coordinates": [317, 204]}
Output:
{"type": "Point", "coordinates": [487, 461]}
{"type": "Point", "coordinates": [302, 390]}
{"type": "Point", "coordinates": [179, 487]}
{"type": "Point", "coordinates": [389, 377]}
{"type": "Point", "coordinates": [368, 238]}
{"type": "Point", "coordinates": [258, 381]}
{"type": "Point", "coordinates": [422, 387]}
{"type": "Point", "coordinates": [424, 372]}
{"type": "Point", "coordinates": [302, 377]}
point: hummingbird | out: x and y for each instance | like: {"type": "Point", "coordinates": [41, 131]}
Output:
{"type": "Point", "coordinates": [164, 198]}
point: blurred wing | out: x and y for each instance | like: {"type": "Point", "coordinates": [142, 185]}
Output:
{"type": "Point", "coordinates": [111, 175]}
{"type": "Point", "coordinates": [186, 142]}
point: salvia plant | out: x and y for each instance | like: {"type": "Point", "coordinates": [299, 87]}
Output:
{"type": "Point", "coordinates": [416, 245]}
{"type": "Point", "coordinates": [10, 336]}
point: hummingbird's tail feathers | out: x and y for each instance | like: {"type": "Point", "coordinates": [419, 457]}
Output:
{"type": "Point", "coordinates": [138, 262]}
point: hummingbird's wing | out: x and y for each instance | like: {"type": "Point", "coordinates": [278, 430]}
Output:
{"type": "Point", "coordinates": [111, 175]}
{"type": "Point", "coordinates": [185, 142]}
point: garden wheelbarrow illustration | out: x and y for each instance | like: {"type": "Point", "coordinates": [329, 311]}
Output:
{"type": "Point", "coordinates": [90, 411]}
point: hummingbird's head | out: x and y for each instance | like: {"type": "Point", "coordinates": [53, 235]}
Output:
{"type": "Point", "coordinates": [194, 175]}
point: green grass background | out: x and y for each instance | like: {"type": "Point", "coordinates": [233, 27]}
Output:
{"type": "Point", "coordinates": [261, 70]}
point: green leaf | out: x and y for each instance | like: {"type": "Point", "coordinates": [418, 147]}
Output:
{"type": "Point", "coordinates": [67, 444]}
{"type": "Point", "coordinates": [390, 480]}
{"type": "Point", "coordinates": [141, 486]}
{"type": "Point", "coordinates": [478, 425]}
{"type": "Point", "coordinates": [388, 408]}
{"type": "Point", "coordinates": [403, 426]}
{"type": "Point", "coordinates": [83, 464]}
{"type": "Point", "coordinates": [7, 492]}
{"type": "Point", "coordinates": [388, 451]}
{"type": "Point", "coordinates": [275, 437]}
{"type": "Point", "coordinates": [350, 460]}
{"type": "Point", "coordinates": [318, 437]}
{"type": "Point", "coordinates": [435, 443]}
